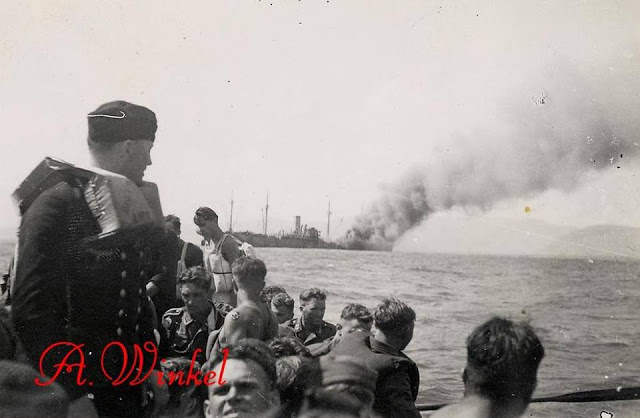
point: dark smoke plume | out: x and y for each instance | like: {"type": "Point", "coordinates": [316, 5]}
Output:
{"type": "Point", "coordinates": [548, 140]}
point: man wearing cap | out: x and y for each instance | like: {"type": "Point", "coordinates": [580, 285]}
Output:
{"type": "Point", "coordinates": [67, 290]}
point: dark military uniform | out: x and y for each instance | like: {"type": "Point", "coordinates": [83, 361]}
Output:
{"type": "Point", "coordinates": [398, 376]}
{"type": "Point", "coordinates": [183, 334]}
{"type": "Point", "coordinates": [311, 336]}
{"type": "Point", "coordinates": [67, 289]}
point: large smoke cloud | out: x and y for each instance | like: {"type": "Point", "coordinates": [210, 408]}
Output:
{"type": "Point", "coordinates": [547, 137]}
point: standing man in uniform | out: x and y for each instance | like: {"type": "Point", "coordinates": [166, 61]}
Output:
{"type": "Point", "coordinates": [67, 291]}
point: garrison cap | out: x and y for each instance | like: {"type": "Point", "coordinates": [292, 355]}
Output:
{"type": "Point", "coordinates": [119, 121]}
{"type": "Point", "coordinates": [346, 369]}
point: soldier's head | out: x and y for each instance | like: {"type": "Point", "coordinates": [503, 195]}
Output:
{"type": "Point", "coordinates": [206, 219]}
{"type": "Point", "coordinates": [270, 291]}
{"type": "Point", "coordinates": [355, 317]}
{"type": "Point", "coordinates": [21, 397]}
{"type": "Point", "coordinates": [282, 306]}
{"type": "Point", "coordinates": [312, 306]}
{"type": "Point", "coordinates": [393, 323]}
{"type": "Point", "coordinates": [120, 138]}
{"type": "Point", "coordinates": [249, 387]}
{"type": "Point", "coordinates": [288, 346]}
{"type": "Point", "coordinates": [195, 284]}
{"type": "Point", "coordinates": [502, 364]}
{"type": "Point", "coordinates": [172, 224]}
{"type": "Point", "coordinates": [249, 274]}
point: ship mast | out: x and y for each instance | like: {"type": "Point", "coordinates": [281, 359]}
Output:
{"type": "Point", "coordinates": [328, 219]}
{"type": "Point", "coordinates": [266, 216]}
{"type": "Point", "coordinates": [231, 214]}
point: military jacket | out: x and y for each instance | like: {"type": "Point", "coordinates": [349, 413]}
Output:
{"type": "Point", "coordinates": [68, 288]}
{"type": "Point", "coordinates": [398, 376]}
{"type": "Point", "coordinates": [183, 334]}
{"type": "Point", "coordinates": [323, 332]}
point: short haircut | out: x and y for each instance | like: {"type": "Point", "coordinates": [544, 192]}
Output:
{"type": "Point", "coordinates": [296, 375]}
{"type": "Point", "coordinates": [244, 268]}
{"type": "Point", "coordinates": [175, 221]}
{"type": "Point", "coordinates": [270, 291]}
{"type": "Point", "coordinates": [286, 346]}
{"type": "Point", "coordinates": [313, 293]}
{"type": "Point", "coordinates": [357, 311]}
{"type": "Point", "coordinates": [282, 299]}
{"type": "Point", "coordinates": [249, 349]}
{"type": "Point", "coordinates": [196, 275]}
{"type": "Point", "coordinates": [393, 317]}
{"type": "Point", "coordinates": [503, 359]}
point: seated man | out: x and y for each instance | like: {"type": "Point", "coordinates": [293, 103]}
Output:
{"type": "Point", "coordinates": [398, 377]}
{"type": "Point", "coordinates": [500, 376]}
{"type": "Point", "coordinates": [187, 328]}
{"type": "Point", "coordinates": [282, 306]}
{"type": "Point", "coordinates": [249, 385]}
{"type": "Point", "coordinates": [252, 318]}
{"type": "Point", "coordinates": [354, 317]}
{"type": "Point", "coordinates": [310, 327]}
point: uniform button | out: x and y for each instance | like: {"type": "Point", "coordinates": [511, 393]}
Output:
{"type": "Point", "coordinates": [139, 291]}
{"type": "Point", "coordinates": [141, 273]}
{"type": "Point", "coordinates": [119, 331]}
{"type": "Point", "coordinates": [139, 309]}
{"type": "Point", "coordinates": [123, 256]}
{"type": "Point", "coordinates": [123, 274]}
{"type": "Point", "coordinates": [123, 293]}
{"type": "Point", "coordinates": [121, 313]}
{"type": "Point", "coordinates": [137, 327]}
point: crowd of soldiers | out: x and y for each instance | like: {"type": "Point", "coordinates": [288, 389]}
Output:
{"type": "Point", "coordinates": [208, 335]}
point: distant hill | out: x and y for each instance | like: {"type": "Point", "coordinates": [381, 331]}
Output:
{"type": "Point", "coordinates": [597, 242]}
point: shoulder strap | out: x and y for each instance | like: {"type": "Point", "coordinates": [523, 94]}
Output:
{"type": "Point", "coordinates": [184, 252]}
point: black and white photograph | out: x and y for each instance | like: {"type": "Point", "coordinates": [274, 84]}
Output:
{"type": "Point", "coordinates": [320, 208]}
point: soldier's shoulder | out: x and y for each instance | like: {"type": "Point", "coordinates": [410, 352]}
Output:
{"type": "Point", "coordinates": [222, 307]}
{"type": "Point", "coordinates": [174, 312]}
{"type": "Point", "coordinates": [329, 326]}
{"type": "Point", "coordinates": [172, 316]}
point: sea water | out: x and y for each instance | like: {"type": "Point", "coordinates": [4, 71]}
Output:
{"type": "Point", "coordinates": [586, 312]}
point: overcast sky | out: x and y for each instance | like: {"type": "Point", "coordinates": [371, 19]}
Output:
{"type": "Point", "coordinates": [311, 100]}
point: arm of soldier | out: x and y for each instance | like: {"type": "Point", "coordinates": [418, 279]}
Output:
{"type": "Point", "coordinates": [236, 325]}
{"type": "Point", "coordinates": [39, 302]}
{"type": "Point", "coordinates": [152, 288]}
{"type": "Point", "coordinates": [397, 398]}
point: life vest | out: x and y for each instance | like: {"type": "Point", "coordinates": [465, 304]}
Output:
{"type": "Point", "coordinates": [222, 285]}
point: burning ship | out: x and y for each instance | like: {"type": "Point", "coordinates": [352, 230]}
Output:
{"type": "Point", "coordinates": [302, 236]}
